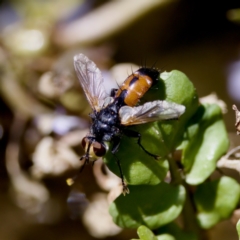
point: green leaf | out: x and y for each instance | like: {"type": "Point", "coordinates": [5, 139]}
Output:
{"type": "Point", "coordinates": [178, 89]}
{"type": "Point", "coordinates": [238, 228]}
{"type": "Point", "coordinates": [158, 138]}
{"type": "Point", "coordinates": [166, 236]}
{"type": "Point", "coordinates": [216, 200]}
{"type": "Point", "coordinates": [152, 206]}
{"type": "Point", "coordinates": [170, 231]}
{"type": "Point", "coordinates": [145, 233]}
{"type": "Point", "coordinates": [207, 141]}
{"type": "Point", "coordinates": [176, 232]}
{"type": "Point", "coordinates": [137, 166]}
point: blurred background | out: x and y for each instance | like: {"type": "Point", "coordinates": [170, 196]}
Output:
{"type": "Point", "coordinates": [44, 113]}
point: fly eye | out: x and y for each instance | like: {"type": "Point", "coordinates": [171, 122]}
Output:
{"type": "Point", "coordinates": [99, 149]}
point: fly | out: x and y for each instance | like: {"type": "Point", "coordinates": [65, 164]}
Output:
{"type": "Point", "coordinates": [113, 113]}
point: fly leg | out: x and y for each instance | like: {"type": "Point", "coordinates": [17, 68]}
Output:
{"type": "Point", "coordinates": [85, 157]}
{"type": "Point", "coordinates": [85, 162]}
{"type": "Point", "coordinates": [70, 181]}
{"type": "Point", "coordinates": [115, 146]}
{"type": "Point", "coordinates": [134, 134]}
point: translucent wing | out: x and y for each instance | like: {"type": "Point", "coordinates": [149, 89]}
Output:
{"type": "Point", "coordinates": [150, 112]}
{"type": "Point", "coordinates": [91, 80]}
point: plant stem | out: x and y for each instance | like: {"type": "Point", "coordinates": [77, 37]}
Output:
{"type": "Point", "coordinates": [175, 173]}
{"type": "Point", "coordinates": [189, 217]}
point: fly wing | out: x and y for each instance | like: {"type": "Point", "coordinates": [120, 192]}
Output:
{"type": "Point", "coordinates": [150, 112]}
{"type": "Point", "coordinates": [91, 80]}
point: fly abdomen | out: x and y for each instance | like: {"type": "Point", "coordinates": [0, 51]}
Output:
{"type": "Point", "coordinates": [136, 85]}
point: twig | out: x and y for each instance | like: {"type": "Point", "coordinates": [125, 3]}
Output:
{"type": "Point", "coordinates": [225, 162]}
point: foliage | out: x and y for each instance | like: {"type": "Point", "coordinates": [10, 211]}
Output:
{"type": "Point", "coordinates": [155, 201]}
